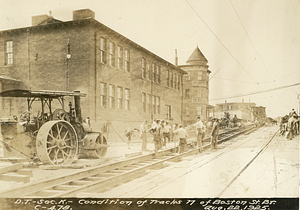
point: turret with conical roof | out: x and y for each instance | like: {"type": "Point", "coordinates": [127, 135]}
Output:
{"type": "Point", "coordinates": [196, 88]}
{"type": "Point", "coordinates": [197, 58]}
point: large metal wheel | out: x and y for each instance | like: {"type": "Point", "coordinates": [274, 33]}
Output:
{"type": "Point", "coordinates": [57, 143]}
{"type": "Point", "coordinates": [97, 150]}
{"type": "Point", "coordinates": [100, 151]}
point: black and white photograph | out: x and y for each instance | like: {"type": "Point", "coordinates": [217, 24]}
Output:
{"type": "Point", "coordinates": [149, 104]}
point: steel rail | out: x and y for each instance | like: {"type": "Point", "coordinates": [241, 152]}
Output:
{"type": "Point", "coordinates": [196, 165]}
{"type": "Point", "coordinates": [104, 176]}
{"type": "Point", "coordinates": [249, 163]}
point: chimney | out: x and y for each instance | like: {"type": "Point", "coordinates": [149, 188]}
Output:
{"type": "Point", "coordinates": [36, 20]}
{"type": "Point", "coordinates": [176, 58]}
{"type": "Point", "coordinates": [83, 14]}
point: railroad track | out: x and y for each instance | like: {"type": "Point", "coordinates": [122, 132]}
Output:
{"type": "Point", "coordinates": [147, 192]}
{"type": "Point", "coordinates": [108, 175]}
{"type": "Point", "coordinates": [248, 164]}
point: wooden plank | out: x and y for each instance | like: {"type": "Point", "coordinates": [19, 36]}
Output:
{"type": "Point", "coordinates": [11, 168]}
{"type": "Point", "coordinates": [15, 177]}
{"type": "Point", "coordinates": [25, 171]}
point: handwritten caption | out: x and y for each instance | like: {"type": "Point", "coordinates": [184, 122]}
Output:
{"type": "Point", "coordinates": [206, 204]}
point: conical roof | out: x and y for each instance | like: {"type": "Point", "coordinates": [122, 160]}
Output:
{"type": "Point", "coordinates": [196, 56]}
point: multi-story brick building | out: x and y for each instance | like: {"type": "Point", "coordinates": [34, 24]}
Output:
{"type": "Point", "coordinates": [196, 87]}
{"type": "Point", "coordinates": [125, 83]}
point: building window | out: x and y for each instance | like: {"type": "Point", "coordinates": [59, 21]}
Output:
{"type": "Point", "coordinates": [148, 70]}
{"type": "Point", "coordinates": [9, 53]}
{"type": "Point", "coordinates": [144, 68]}
{"type": "Point", "coordinates": [199, 110]}
{"type": "Point", "coordinates": [127, 99]}
{"type": "Point", "coordinates": [111, 96]}
{"type": "Point", "coordinates": [194, 100]}
{"type": "Point", "coordinates": [171, 79]}
{"type": "Point", "coordinates": [188, 76]}
{"type": "Point", "coordinates": [102, 50]}
{"type": "Point", "coordinates": [168, 78]}
{"type": "Point", "coordinates": [119, 60]}
{"type": "Point", "coordinates": [178, 82]}
{"type": "Point", "coordinates": [102, 94]}
{"type": "Point", "coordinates": [207, 76]}
{"type": "Point", "coordinates": [187, 93]}
{"type": "Point", "coordinates": [148, 103]}
{"type": "Point", "coordinates": [199, 95]}
{"type": "Point", "coordinates": [169, 112]}
{"type": "Point", "coordinates": [199, 77]}
{"type": "Point", "coordinates": [153, 104]}
{"type": "Point", "coordinates": [144, 101]}
{"type": "Point", "coordinates": [127, 66]}
{"type": "Point", "coordinates": [158, 104]}
{"type": "Point", "coordinates": [111, 54]}
{"type": "Point", "coordinates": [120, 97]}
{"type": "Point", "coordinates": [174, 79]}
{"type": "Point", "coordinates": [158, 72]}
{"type": "Point", "coordinates": [229, 107]}
{"type": "Point", "coordinates": [153, 73]}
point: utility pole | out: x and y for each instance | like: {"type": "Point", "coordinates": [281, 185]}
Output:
{"type": "Point", "coordinates": [151, 99]}
{"type": "Point", "coordinates": [68, 56]}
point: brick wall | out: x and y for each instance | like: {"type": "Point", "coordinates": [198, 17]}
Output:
{"type": "Point", "coordinates": [46, 47]}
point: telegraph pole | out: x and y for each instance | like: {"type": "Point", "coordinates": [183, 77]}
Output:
{"type": "Point", "coordinates": [68, 56]}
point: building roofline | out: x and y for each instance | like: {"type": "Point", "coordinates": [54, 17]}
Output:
{"type": "Point", "coordinates": [236, 103]}
{"type": "Point", "coordinates": [88, 20]}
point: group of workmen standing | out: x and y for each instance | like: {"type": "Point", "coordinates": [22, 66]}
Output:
{"type": "Point", "coordinates": [162, 132]}
{"type": "Point", "coordinates": [289, 125]}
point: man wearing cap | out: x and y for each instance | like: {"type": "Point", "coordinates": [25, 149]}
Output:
{"type": "Point", "coordinates": [156, 132]}
{"type": "Point", "coordinates": [182, 135]}
{"type": "Point", "coordinates": [200, 132]}
{"type": "Point", "coordinates": [214, 133]}
{"type": "Point", "coordinates": [143, 133]}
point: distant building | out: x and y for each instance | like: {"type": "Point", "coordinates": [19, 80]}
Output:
{"type": "Point", "coordinates": [125, 83]}
{"type": "Point", "coordinates": [196, 88]}
{"type": "Point", "coordinates": [241, 109]}
{"type": "Point", "coordinates": [258, 112]}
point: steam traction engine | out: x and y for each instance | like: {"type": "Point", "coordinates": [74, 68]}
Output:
{"type": "Point", "coordinates": [53, 136]}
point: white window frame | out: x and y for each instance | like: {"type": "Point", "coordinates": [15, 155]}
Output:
{"type": "Point", "coordinates": [111, 96]}
{"type": "Point", "coordinates": [127, 60]}
{"type": "Point", "coordinates": [102, 50]}
{"type": "Point", "coordinates": [111, 54]}
{"type": "Point", "coordinates": [9, 53]}
{"type": "Point", "coordinates": [127, 99]}
{"type": "Point", "coordinates": [119, 97]}
{"type": "Point", "coordinates": [103, 94]}
{"type": "Point", "coordinates": [119, 59]}
{"type": "Point", "coordinates": [144, 73]}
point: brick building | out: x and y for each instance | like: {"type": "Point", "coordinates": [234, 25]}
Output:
{"type": "Point", "coordinates": [196, 87]}
{"type": "Point", "coordinates": [125, 83]}
{"type": "Point", "coordinates": [242, 110]}
{"type": "Point", "coordinates": [258, 112]}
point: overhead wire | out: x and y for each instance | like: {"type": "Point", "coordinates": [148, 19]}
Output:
{"type": "Point", "coordinates": [256, 92]}
{"type": "Point", "coordinates": [214, 74]}
{"type": "Point", "coordinates": [221, 42]}
{"type": "Point", "coordinates": [251, 40]}
{"type": "Point", "coordinates": [288, 75]}
{"type": "Point", "coordinates": [234, 80]}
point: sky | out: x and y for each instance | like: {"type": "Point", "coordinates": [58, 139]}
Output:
{"type": "Point", "coordinates": [252, 46]}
